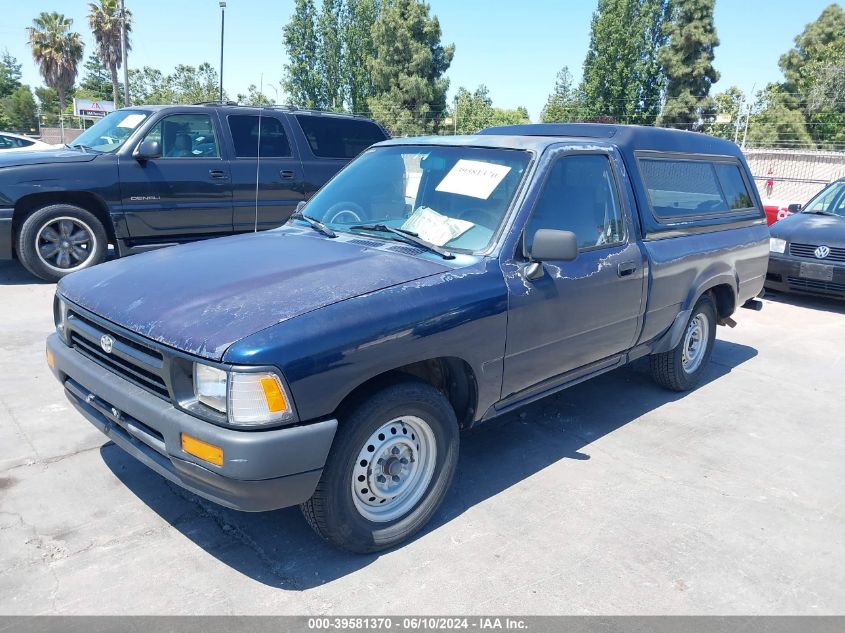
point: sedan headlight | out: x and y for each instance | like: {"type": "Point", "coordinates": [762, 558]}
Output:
{"type": "Point", "coordinates": [777, 245]}
{"type": "Point", "coordinates": [247, 398]}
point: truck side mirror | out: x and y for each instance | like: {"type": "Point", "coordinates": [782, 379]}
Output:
{"type": "Point", "coordinates": [147, 150]}
{"type": "Point", "coordinates": [794, 208]}
{"type": "Point", "coordinates": [551, 244]}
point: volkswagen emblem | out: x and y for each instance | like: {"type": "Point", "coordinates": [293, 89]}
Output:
{"type": "Point", "coordinates": [821, 252]}
{"type": "Point", "coordinates": [106, 342]}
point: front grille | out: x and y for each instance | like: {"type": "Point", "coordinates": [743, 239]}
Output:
{"type": "Point", "coordinates": [808, 251]}
{"type": "Point", "coordinates": [811, 285]}
{"type": "Point", "coordinates": [134, 361]}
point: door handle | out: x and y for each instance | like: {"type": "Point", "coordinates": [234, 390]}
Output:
{"type": "Point", "coordinates": [626, 268]}
{"type": "Point", "coordinates": [287, 174]}
{"type": "Point", "coordinates": [218, 174]}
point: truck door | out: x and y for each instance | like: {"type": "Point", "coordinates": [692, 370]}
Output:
{"type": "Point", "coordinates": [187, 190]}
{"type": "Point", "coordinates": [274, 163]}
{"type": "Point", "coordinates": [582, 311]}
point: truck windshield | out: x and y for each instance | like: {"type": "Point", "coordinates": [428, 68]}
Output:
{"type": "Point", "coordinates": [110, 132]}
{"type": "Point", "coordinates": [451, 197]}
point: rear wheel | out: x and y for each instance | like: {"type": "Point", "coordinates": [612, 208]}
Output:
{"type": "Point", "coordinates": [60, 239]}
{"type": "Point", "coordinates": [681, 368]}
{"type": "Point", "coordinates": [389, 468]}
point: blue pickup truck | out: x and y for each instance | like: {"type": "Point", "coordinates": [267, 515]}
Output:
{"type": "Point", "coordinates": [153, 176]}
{"type": "Point", "coordinates": [432, 285]}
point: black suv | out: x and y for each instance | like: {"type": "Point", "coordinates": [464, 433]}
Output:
{"type": "Point", "coordinates": [152, 176]}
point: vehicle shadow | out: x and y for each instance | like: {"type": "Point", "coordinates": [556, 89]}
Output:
{"type": "Point", "coordinates": [812, 302]}
{"type": "Point", "coordinates": [12, 273]}
{"type": "Point", "coordinates": [279, 549]}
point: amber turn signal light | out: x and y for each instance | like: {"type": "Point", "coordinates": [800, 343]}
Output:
{"type": "Point", "coordinates": [205, 451]}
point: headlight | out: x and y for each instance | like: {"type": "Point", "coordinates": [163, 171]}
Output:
{"type": "Point", "coordinates": [777, 245]}
{"type": "Point", "coordinates": [60, 318]}
{"type": "Point", "coordinates": [247, 398]}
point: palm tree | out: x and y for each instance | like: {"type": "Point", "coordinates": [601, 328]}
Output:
{"type": "Point", "coordinates": [57, 50]}
{"type": "Point", "coordinates": [104, 20]}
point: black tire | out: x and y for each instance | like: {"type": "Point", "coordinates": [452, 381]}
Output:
{"type": "Point", "coordinates": [32, 243]}
{"type": "Point", "coordinates": [332, 511]}
{"type": "Point", "coordinates": [668, 368]}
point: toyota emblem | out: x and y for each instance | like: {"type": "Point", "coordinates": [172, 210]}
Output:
{"type": "Point", "coordinates": [106, 343]}
{"type": "Point", "coordinates": [822, 251]}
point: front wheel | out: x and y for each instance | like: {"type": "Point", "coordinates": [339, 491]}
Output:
{"type": "Point", "coordinates": [681, 368]}
{"type": "Point", "coordinates": [389, 468]}
{"type": "Point", "coordinates": [60, 239]}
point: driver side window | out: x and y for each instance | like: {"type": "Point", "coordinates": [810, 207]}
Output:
{"type": "Point", "coordinates": [580, 195]}
{"type": "Point", "coordinates": [185, 136]}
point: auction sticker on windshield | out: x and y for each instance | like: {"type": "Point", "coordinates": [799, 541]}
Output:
{"type": "Point", "coordinates": [435, 227]}
{"type": "Point", "coordinates": [473, 178]}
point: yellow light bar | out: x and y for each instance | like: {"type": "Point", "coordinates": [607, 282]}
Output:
{"type": "Point", "coordinates": [205, 451]}
{"type": "Point", "coordinates": [51, 361]}
{"type": "Point", "coordinates": [276, 402]}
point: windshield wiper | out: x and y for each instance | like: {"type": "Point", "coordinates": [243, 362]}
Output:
{"type": "Point", "coordinates": [820, 212]}
{"type": "Point", "coordinates": [313, 223]}
{"type": "Point", "coordinates": [408, 236]}
{"type": "Point", "coordinates": [84, 148]}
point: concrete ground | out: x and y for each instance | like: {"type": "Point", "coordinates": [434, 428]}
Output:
{"type": "Point", "coordinates": [614, 497]}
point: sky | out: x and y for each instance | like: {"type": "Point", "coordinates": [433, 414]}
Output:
{"type": "Point", "coordinates": [515, 48]}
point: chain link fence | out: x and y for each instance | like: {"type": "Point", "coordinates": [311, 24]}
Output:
{"type": "Point", "coordinates": [785, 176]}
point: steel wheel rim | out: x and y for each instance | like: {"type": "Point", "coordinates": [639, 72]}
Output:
{"type": "Point", "coordinates": [346, 216]}
{"type": "Point", "coordinates": [393, 469]}
{"type": "Point", "coordinates": [65, 244]}
{"type": "Point", "coordinates": [695, 343]}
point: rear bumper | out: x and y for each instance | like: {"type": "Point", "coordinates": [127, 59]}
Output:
{"type": "Point", "coordinates": [6, 237]}
{"type": "Point", "coordinates": [262, 470]}
{"type": "Point", "coordinates": [784, 275]}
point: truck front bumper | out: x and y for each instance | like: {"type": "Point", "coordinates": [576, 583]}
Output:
{"type": "Point", "coordinates": [262, 470]}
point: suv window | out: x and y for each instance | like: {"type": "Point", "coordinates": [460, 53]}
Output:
{"type": "Point", "coordinates": [580, 195]}
{"type": "Point", "coordinates": [337, 137]}
{"type": "Point", "coordinates": [274, 141]}
{"type": "Point", "coordinates": [185, 136]}
{"type": "Point", "coordinates": [680, 188]}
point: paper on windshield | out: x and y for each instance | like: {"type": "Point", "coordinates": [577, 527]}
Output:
{"type": "Point", "coordinates": [131, 121]}
{"type": "Point", "coordinates": [435, 227]}
{"type": "Point", "coordinates": [473, 178]}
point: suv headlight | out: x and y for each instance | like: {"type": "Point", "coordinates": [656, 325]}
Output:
{"type": "Point", "coordinates": [777, 245]}
{"type": "Point", "coordinates": [60, 318]}
{"type": "Point", "coordinates": [247, 398]}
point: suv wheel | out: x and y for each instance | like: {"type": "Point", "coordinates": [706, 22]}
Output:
{"type": "Point", "coordinates": [389, 468]}
{"type": "Point", "coordinates": [59, 239]}
{"type": "Point", "coordinates": [681, 368]}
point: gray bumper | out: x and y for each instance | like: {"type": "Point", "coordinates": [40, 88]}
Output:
{"type": "Point", "coordinates": [6, 233]}
{"type": "Point", "coordinates": [262, 470]}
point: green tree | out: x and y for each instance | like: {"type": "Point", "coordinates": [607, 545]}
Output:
{"type": "Point", "coordinates": [330, 52]}
{"type": "Point", "coordinates": [189, 84]}
{"type": "Point", "coordinates": [407, 69]}
{"type": "Point", "coordinates": [516, 116]}
{"type": "Point", "coordinates": [147, 85]}
{"type": "Point", "coordinates": [254, 97]}
{"type": "Point", "coordinates": [623, 75]}
{"type": "Point", "coordinates": [302, 79]}
{"type": "Point", "coordinates": [95, 83]}
{"type": "Point", "coordinates": [358, 19]}
{"type": "Point", "coordinates": [566, 103]}
{"type": "Point", "coordinates": [472, 110]}
{"type": "Point", "coordinates": [57, 50]}
{"type": "Point", "coordinates": [730, 104]}
{"type": "Point", "coordinates": [811, 45]}
{"type": "Point", "coordinates": [20, 111]}
{"type": "Point", "coordinates": [688, 60]}
{"type": "Point", "coordinates": [105, 21]}
{"type": "Point", "coordinates": [776, 122]}
{"type": "Point", "coordinates": [10, 74]}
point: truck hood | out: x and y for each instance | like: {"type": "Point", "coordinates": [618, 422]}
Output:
{"type": "Point", "coordinates": [811, 228]}
{"type": "Point", "coordinates": [53, 156]}
{"type": "Point", "coordinates": [202, 297]}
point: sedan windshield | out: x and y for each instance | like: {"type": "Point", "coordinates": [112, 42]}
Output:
{"type": "Point", "coordinates": [110, 132]}
{"type": "Point", "coordinates": [450, 197]}
{"type": "Point", "coordinates": [830, 201]}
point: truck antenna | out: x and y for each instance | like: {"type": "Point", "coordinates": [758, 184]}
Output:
{"type": "Point", "coordinates": [258, 155]}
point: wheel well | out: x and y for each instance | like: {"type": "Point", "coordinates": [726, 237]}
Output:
{"type": "Point", "coordinates": [453, 377]}
{"type": "Point", "coordinates": [88, 201]}
{"type": "Point", "coordinates": [723, 296]}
